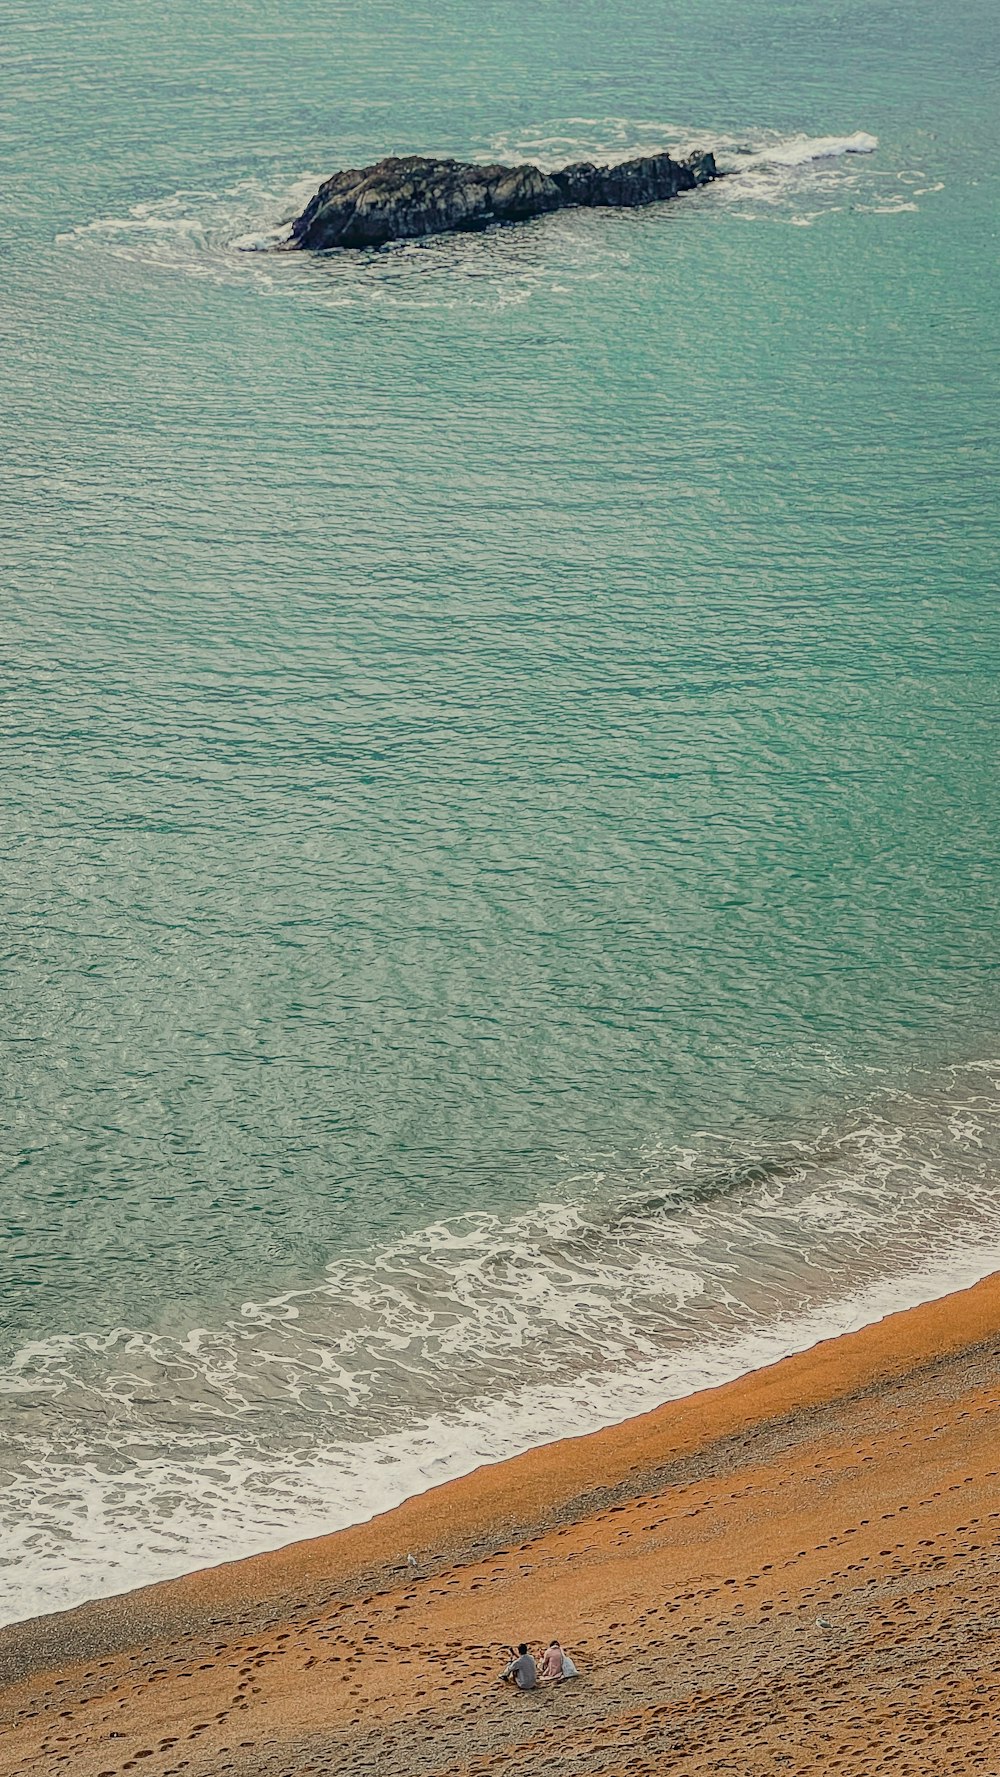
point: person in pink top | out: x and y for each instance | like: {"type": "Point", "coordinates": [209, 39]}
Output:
{"type": "Point", "coordinates": [552, 1661]}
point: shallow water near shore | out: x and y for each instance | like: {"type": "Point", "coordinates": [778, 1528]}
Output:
{"type": "Point", "coordinates": [498, 753]}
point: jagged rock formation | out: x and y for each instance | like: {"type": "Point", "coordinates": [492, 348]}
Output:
{"type": "Point", "coordinates": [403, 197]}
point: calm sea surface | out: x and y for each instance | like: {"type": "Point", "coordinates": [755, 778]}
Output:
{"type": "Point", "coordinates": [498, 754]}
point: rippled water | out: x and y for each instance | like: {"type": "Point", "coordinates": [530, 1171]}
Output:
{"type": "Point", "coordinates": [498, 749]}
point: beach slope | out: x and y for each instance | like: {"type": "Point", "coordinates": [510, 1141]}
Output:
{"type": "Point", "coordinates": [796, 1572]}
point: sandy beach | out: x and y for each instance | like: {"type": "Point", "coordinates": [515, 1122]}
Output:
{"type": "Point", "coordinates": [795, 1572]}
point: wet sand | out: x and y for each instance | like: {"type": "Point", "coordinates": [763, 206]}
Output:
{"type": "Point", "coordinates": [799, 1571]}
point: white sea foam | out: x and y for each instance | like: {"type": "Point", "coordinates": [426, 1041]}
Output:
{"type": "Point", "coordinates": [798, 151]}
{"type": "Point", "coordinates": [200, 230]}
{"type": "Point", "coordinates": [791, 177]}
{"type": "Point", "coordinates": [131, 1455]}
{"type": "Point", "coordinates": [158, 1517]}
{"type": "Point", "coordinates": [615, 139]}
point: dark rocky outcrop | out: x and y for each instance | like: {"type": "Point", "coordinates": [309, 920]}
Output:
{"type": "Point", "coordinates": [404, 197]}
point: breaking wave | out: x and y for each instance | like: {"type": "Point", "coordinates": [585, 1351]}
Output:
{"type": "Point", "coordinates": [131, 1455]}
{"type": "Point", "coordinates": [798, 151]}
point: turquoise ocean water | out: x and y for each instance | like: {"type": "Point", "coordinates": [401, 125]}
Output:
{"type": "Point", "coordinates": [498, 744]}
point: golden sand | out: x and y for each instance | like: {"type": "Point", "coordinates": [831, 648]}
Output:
{"type": "Point", "coordinates": [797, 1572]}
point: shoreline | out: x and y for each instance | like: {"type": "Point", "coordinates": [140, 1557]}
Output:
{"type": "Point", "coordinates": [519, 1531]}
{"type": "Point", "coordinates": [558, 1406]}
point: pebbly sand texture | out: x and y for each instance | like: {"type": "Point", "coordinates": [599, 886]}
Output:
{"type": "Point", "coordinates": [797, 1572]}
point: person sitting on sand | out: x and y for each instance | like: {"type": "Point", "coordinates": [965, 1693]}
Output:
{"type": "Point", "coordinates": [557, 1664]}
{"type": "Point", "coordinates": [552, 1661]}
{"type": "Point", "coordinates": [521, 1670]}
